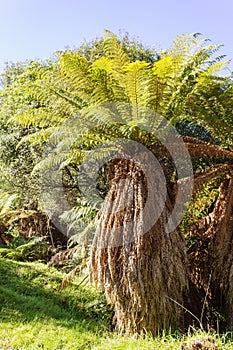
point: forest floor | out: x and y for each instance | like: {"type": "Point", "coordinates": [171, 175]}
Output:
{"type": "Point", "coordinates": [34, 315]}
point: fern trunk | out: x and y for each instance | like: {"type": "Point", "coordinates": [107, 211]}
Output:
{"type": "Point", "coordinates": [221, 253]}
{"type": "Point", "coordinates": [142, 272]}
{"type": "Point", "coordinates": [211, 259]}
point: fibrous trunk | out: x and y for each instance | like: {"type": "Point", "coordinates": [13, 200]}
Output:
{"type": "Point", "coordinates": [211, 258]}
{"type": "Point", "coordinates": [141, 268]}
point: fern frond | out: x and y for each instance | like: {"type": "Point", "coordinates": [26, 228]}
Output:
{"type": "Point", "coordinates": [101, 115]}
{"type": "Point", "coordinates": [6, 203]}
{"type": "Point", "coordinates": [52, 161]}
{"type": "Point", "coordinates": [37, 138]}
{"type": "Point", "coordinates": [208, 175]}
{"type": "Point", "coordinates": [200, 148]}
{"type": "Point", "coordinates": [136, 80]}
{"type": "Point", "coordinates": [81, 220]}
{"type": "Point", "coordinates": [115, 51]}
{"type": "Point", "coordinates": [62, 256]}
{"type": "Point", "coordinates": [70, 276]}
{"type": "Point", "coordinates": [104, 71]}
{"type": "Point", "coordinates": [220, 215]}
{"type": "Point", "coordinates": [76, 68]}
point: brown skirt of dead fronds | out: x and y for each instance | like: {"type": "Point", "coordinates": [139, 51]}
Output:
{"type": "Point", "coordinates": [37, 223]}
{"type": "Point", "coordinates": [141, 271]}
{"type": "Point", "coordinates": [211, 256]}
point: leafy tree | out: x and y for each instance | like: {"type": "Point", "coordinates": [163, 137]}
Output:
{"type": "Point", "coordinates": [17, 161]}
{"type": "Point", "coordinates": [134, 49]}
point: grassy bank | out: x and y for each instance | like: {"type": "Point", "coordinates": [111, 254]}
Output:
{"type": "Point", "coordinates": [34, 315]}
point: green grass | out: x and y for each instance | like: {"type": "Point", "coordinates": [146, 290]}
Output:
{"type": "Point", "coordinates": [33, 315]}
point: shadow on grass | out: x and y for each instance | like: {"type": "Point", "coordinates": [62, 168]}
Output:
{"type": "Point", "coordinates": [28, 293]}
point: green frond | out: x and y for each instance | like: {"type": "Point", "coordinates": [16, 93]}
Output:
{"type": "Point", "coordinates": [115, 51]}
{"type": "Point", "coordinates": [136, 80]}
{"type": "Point", "coordinates": [101, 115]}
{"type": "Point", "coordinates": [108, 79]}
{"type": "Point", "coordinates": [75, 156]}
{"type": "Point", "coordinates": [80, 219]}
{"type": "Point", "coordinates": [75, 70]}
{"type": "Point", "coordinates": [53, 161]}
{"type": "Point", "coordinates": [103, 90]}
{"type": "Point", "coordinates": [40, 117]}
{"type": "Point", "coordinates": [6, 203]}
{"type": "Point", "coordinates": [103, 63]}
{"type": "Point", "coordinates": [37, 138]}
{"type": "Point", "coordinates": [164, 68]}
{"type": "Point", "coordinates": [74, 67]}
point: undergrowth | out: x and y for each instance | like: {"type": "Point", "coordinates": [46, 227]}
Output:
{"type": "Point", "coordinates": [34, 315]}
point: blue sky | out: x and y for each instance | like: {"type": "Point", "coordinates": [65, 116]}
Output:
{"type": "Point", "coordinates": [36, 28]}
